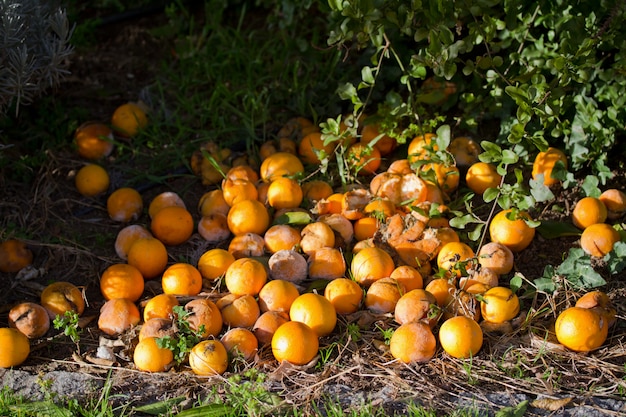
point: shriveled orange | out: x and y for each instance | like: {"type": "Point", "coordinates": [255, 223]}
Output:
{"type": "Point", "coordinates": [128, 119]}
{"type": "Point", "coordinates": [245, 276]}
{"type": "Point", "coordinates": [30, 318]}
{"type": "Point", "coordinates": [499, 304]}
{"type": "Point", "coordinates": [443, 290]}
{"type": "Point", "coordinates": [297, 127]}
{"type": "Point", "coordinates": [121, 281]}
{"type": "Point", "coordinates": [383, 295]}
{"type": "Point", "coordinates": [288, 265]}
{"type": "Point", "coordinates": [243, 172]}
{"type": "Point", "coordinates": [239, 310]}
{"type": "Point", "coordinates": [497, 257]}
{"type": "Point", "coordinates": [267, 323]}
{"type": "Point", "coordinates": [371, 264]}
{"type": "Point", "coordinates": [515, 234]}
{"type": "Point", "coordinates": [281, 237]}
{"type": "Point", "coordinates": [214, 263]}
{"type": "Point", "coordinates": [157, 327]}
{"type": "Point", "coordinates": [413, 342]}
{"type": "Point", "coordinates": [14, 255]}
{"type": "Point", "coordinates": [295, 342]}
{"type": "Point", "coordinates": [208, 357]}
{"type": "Point", "coordinates": [60, 297]}
{"type": "Point", "coordinates": [581, 329]}
{"type": "Point", "coordinates": [544, 164]}
{"type": "Point", "coordinates": [280, 164]}
{"type": "Point", "coordinates": [94, 140]}
{"type": "Point", "coordinates": [248, 216]}
{"type": "Point", "coordinates": [343, 228]}
{"type": "Point", "coordinates": [420, 147]}
{"type": "Point", "coordinates": [247, 245]}
{"type": "Point", "coordinates": [172, 225]}
{"type": "Point", "coordinates": [284, 192]}
{"type": "Point", "coordinates": [92, 180]}
{"type": "Point", "coordinates": [316, 235]}
{"type": "Point", "coordinates": [344, 294]}
{"type": "Point", "coordinates": [124, 205]}
{"type": "Point", "coordinates": [416, 305]}
{"type": "Point", "coordinates": [380, 208]}
{"type": "Point", "coordinates": [330, 205]}
{"type": "Point", "coordinates": [464, 150]}
{"type": "Point", "coordinates": [461, 337]}
{"type": "Point", "coordinates": [482, 175]}
{"type": "Point", "coordinates": [326, 263]}
{"type": "Point", "coordinates": [455, 257]}
{"type": "Point", "coordinates": [315, 311]}
{"type": "Point", "coordinates": [149, 256]}
{"type": "Point", "coordinates": [213, 202]}
{"type": "Point", "coordinates": [204, 313]}
{"type": "Point", "coordinates": [353, 203]}
{"type": "Point", "coordinates": [160, 306]}
{"type": "Point", "coordinates": [127, 236]}
{"type": "Point", "coordinates": [400, 167]}
{"type": "Point", "coordinates": [149, 357]}
{"type": "Point", "coordinates": [277, 295]}
{"type": "Point", "coordinates": [238, 189]}
{"type": "Point", "coordinates": [15, 347]}
{"type": "Point", "coordinates": [483, 275]}
{"type": "Point", "coordinates": [615, 202]}
{"type": "Point", "coordinates": [408, 276]}
{"type": "Point", "coordinates": [165, 199]}
{"type": "Point", "coordinates": [240, 342]}
{"type": "Point", "coordinates": [214, 228]}
{"type": "Point", "coordinates": [371, 135]}
{"type": "Point", "coordinates": [312, 149]}
{"type": "Point", "coordinates": [316, 190]}
{"type": "Point", "coordinates": [601, 303]}
{"type": "Point", "coordinates": [181, 279]}
{"type": "Point", "coordinates": [363, 159]}
{"type": "Point", "coordinates": [599, 239]}
{"type": "Point", "coordinates": [117, 316]}
{"type": "Point", "coordinates": [588, 211]}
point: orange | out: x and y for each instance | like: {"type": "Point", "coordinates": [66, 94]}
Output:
{"type": "Point", "coordinates": [544, 164]}
{"type": "Point", "coordinates": [443, 291]}
{"type": "Point", "coordinates": [371, 264]}
{"type": "Point", "coordinates": [295, 342]}
{"type": "Point", "coordinates": [482, 175]}
{"type": "Point", "coordinates": [312, 149]}
{"type": "Point", "coordinates": [344, 231]}
{"type": "Point", "coordinates": [344, 294]}
{"type": "Point", "coordinates": [600, 302]}
{"type": "Point", "coordinates": [238, 189]}
{"type": "Point", "coordinates": [124, 205]}
{"type": "Point", "coordinates": [118, 315]}
{"type": "Point", "coordinates": [296, 128]}
{"type": "Point", "coordinates": [326, 263]}
{"type": "Point", "coordinates": [464, 150]}
{"type": "Point", "coordinates": [165, 199]}
{"type": "Point", "coordinates": [288, 265]}
{"type": "Point", "coordinates": [615, 202]}
{"type": "Point", "coordinates": [60, 297]}
{"type": "Point", "coordinates": [499, 304]}
{"type": "Point", "coordinates": [363, 159]}
{"type": "Point", "coordinates": [400, 167]}
{"type": "Point", "coordinates": [383, 295]}
{"type": "Point", "coordinates": [281, 237]}
{"type": "Point", "coordinates": [588, 211]}
{"type": "Point", "coordinates": [455, 258]}
{"type": "Point", "coordinates": [267, 323]}
{"type": "Point", "coordinates": [213, 202]}
{"type": "Point", "coordinates": [581, 329]}
{"type": "Point", "coordinates": [461, 337]}
{"type": "Point", "coordinates": [419, 147]}
{"type": "Point", "coordinates": [245, 276]}
{"type": "Point", "coordinates": [181, 279]}
{"type": "Point", "coordinates": [157, 327]}
{"type": "Point", "coordinates": [497, 257]}
{"type": "Point", "coordinates": [247, 245]}
{"type": "Point", "coordinates": [29, 318]}
{"type": "Point", "coordinates": [380, 208]}
{"type": "Point", "coordinates": [204, 313]}
{"type": "Point", "coordinates": [353, 203]}
{"type": "Point", "coordinates": [315, 311]}
{"type": "Point", "coordinates": [214, 263]}
{"type": "Point", "coordinates": [416, 305]}
{"type": "Point", "coordinates": [127, 236]}
{"type": "Point", "coordinates": [160, 306]}
{"type": "Point", "coordinates": [240, 342]}
{"type": "Point", "coordinates": [413, 342]}
{"type": "Point", "coordinates": [284, 193]}
{"type": "Point", "coordinates": [371, 135]}
{"type": "Point", "coordinates": [316, 235]}
{"type": "Point", "coordinates": [94, 140]}
{"type": "Point", "coordinates": [149, 256]}
{"type": "Point", "coordinates": [277, 295]}
{"type": "Point", "coordinates": [121, 281]}
{"type": "Point", "coordinates": [514, 234]}
{"type": "Point", "coordinates": [599, 239]}
{"type": "Point", "coordinates": [214, 228]}
{"type": "Point", "coordinates": [14, 255]}
{"type": "Point", "coordinates": [239, 310]}
{"type": "Point", "coordinates": [408, 276]}
{"type": "Point", "coordinates": [280, 164]}
{"type": "Point", "coordinates": [92, 180]}
{"type": "Point", "coordinates": [208, 357]}
{"type": "Point", "coordinates": [149, 357]}
{"type": "Point", "coordinates": [316, 190]}
{"type": "Point", "coordinates": [128, 119]}
{"type": "Point", "coordinates": [248, 216]}
{"type": "Point", "coordinates": [172, 225]}
{"type": "Point", "coordinates": [243, 172]}
{"type": "Point", "coordinates": [15, 348]}
{"type": "Point", "coordinates": [448, 176]}
{"type": "Point", "coordinates": [365, 228]}
{"type": "Point", "coordinates": [330, 205]}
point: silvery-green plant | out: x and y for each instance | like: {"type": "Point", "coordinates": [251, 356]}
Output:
{"type": "Point", "coordinates": [34, 50]}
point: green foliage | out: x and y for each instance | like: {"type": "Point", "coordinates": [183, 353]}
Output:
{"type": "Point", "coordinates": [69, 323]}
{"type": "Point", "coordinates": [185, 338]}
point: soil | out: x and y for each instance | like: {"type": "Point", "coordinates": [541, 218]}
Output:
{"type": "Point", "coordinates": [72, 239]}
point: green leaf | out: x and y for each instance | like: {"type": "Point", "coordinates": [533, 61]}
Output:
{"type": "Point", "coordinates": [210, 410]}
{"type": "Point", "coordinates": [551, 229]}
{"type": "Point", "coordinates": [159, 408]}
{"type": "Point", "coordinates": [539, 190]}
{"type": "Point", "coordinates": [577, 269]}
{"type": "Point", "coordinates": [590, 186]}
{"type": "Point", "coordinates": [367, 75]}
{"type": "Point", "coordinates": [514, 411]}
{"type": "Point", "coordinates": [546, 282]}
{"type": "Point", "coordinates": [515, 283]}
{"type": "Point", "coordinates": [294, 217]}
{"type": "Point", "coordinates": [616, 259]}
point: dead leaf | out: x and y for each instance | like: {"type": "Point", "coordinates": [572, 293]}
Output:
{"type": "Point", "coordinates": [551, 404]}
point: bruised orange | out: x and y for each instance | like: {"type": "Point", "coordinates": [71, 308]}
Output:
{"type": "Point", "coordinates": [127, 236]}
{"type": "Point", "coordinates": [204, 313]}
{"type": "Point", "coordinates": [413, 342]}
{"type": "Point", "coordinates": [312, 149]}
{"type": "Point", "coordinates": [208, 357]}
{"type": "Point", "coordinates": [164, 199]}
{"type": "Point", "coordinates": [239, 341]}
{"type": "Point", "coordinates": [239, 310]}
{"type": "Point", "coordinates": [280, 164]}
{"type": "Point", "coordinates": [60, 297]}
{"type": "Point", "coordinates": [277, 295]}
{"type": "Point", "coordinates": [160, 306]}
{"type": "Point", "coordinates": [124, 205]}
{"type": "Point", "coordinates": [599, 239]}
{"type": "Point", "coordinates": [544, 164]}
{"type": "Point", "coordinates": [118, 315]}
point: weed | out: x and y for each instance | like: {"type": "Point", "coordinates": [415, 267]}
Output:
{"type": "Point", "coordinates": [185, 339]}
{"type": "Point", "coordinates": [69, 322]}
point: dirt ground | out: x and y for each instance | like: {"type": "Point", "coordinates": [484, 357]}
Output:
{"type": "Point", "coordinates": [72, 239]}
